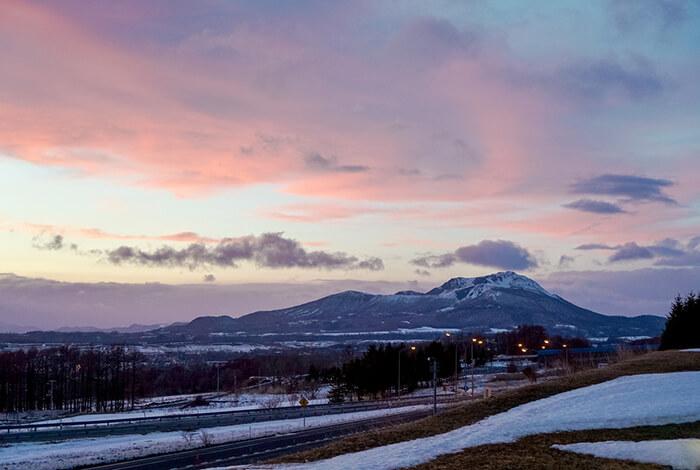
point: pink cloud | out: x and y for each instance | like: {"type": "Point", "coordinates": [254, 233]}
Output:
{"type": "Point", "coordinates": [183, 119]}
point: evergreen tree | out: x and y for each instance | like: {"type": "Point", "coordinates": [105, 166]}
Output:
{"type": "Point", "coordinates": [336, 394]}
{"type": "Point", "coordinates": [683, 324]}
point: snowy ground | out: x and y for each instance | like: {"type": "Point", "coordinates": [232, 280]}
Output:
{"type": "Point", "coordinates": [649, 399]}
{"type": "Point", "coordinates": [78, 452]}
{"type": "Point", "coordinates": [241, 402]}
{"type": "Point", "coordinates": [679, 453]}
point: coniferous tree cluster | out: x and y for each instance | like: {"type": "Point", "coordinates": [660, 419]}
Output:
{"type": "Point", "coordinates": [682, 324]}
{"type": "Point", "coordinates": [376, 373]}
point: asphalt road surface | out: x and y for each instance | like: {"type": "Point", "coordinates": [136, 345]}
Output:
{"type": "Point", "coordinates": [258, 449]}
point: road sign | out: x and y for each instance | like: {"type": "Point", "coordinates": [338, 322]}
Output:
{"type": "Point", "coordinates": [304, 402]}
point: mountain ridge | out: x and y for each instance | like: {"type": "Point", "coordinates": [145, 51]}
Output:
{"type": "Point", "coordinates": [501, 300]}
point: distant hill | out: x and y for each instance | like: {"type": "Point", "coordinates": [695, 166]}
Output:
{"type": "Point", "coordinates": [489, 303]}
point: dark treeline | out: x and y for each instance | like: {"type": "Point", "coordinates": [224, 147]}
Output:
{"type": "Point", "coordinates": [110, 379]}
{"type": "Point", "coordinates": [376, 373]}
{"type": "Point", "coordinates": [67, 379]}
{"type": "Point", "coordinates": [531, 338]}
{"type": "Point", "coordinates": [682, 324]}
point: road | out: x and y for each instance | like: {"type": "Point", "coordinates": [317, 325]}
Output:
{"type": "Point", "coordinates": [258, 449]}
{"type": "Point", "coordinates": [189, 422]}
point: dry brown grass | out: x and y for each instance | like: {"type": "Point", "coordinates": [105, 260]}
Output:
{"type": "Point", "coordinates": [666, 361]}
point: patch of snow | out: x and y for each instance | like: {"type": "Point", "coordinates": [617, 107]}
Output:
{"type": "Point", "coordinates": [240, 402]}
{"type": "Point", "coordinates": [427, 329]}
{"type": "Point", "coordinates": [199, 348]}
{"type": "Point", "coordinates": [633, 338]}
{"type": "Point", "coordinates": [638, 400]}
{"type": "Point", "coordinates": [691, 350]}
{"type": "Point", "coordinates": [499, 330]}
{"type": "Point", "coordinates": [678, 453]}
{"type": "Point", "coordinates": [602, 339]}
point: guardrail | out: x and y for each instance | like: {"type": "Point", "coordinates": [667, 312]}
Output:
{"type": "Point", "coordinates": [192, 421]}
{"type": "Point", "coordinates": [260, 448]}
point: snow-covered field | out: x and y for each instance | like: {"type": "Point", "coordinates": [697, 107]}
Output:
{"type": "Point", "coordinates": [678, 453]}
{"type": "Point", "coordinates": [649, 399]}
{"type": "Point", "coordinates": [77, 452]}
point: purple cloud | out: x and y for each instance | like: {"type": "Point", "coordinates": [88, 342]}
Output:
{"type": "Point", "coordinates": [631, 251]}
{"type": "Point", "coordinates": [269, 250]}
{"type": "Point", "coordinates": [667, 252]}
{"type": "Point", "coordinates": [634, 188]}
{"type": "Point", "coordinates": [317, 162]}
{"type": "Point", "coordinates": [501, 254]}
{"type": "Point", "coordinates": [596, 207]}
{"type": "Point", "coordinates": [596, 246]}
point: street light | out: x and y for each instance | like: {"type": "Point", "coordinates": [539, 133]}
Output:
{"type": "Point", "coordinates": [478, 341]}
{"type": "Point", "coordinates": [398, 378]}
{"type": "Point", "coordinates": [433, 362]}
{"type": "Point", "coordinates": [456, 372]}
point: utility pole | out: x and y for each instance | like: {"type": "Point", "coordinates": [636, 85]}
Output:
{"type": "Point", "coordinates": [456, 367]}
{"type": "Point", "coordinates": [473, 361]}
{"type": "Point", "coordinates": [398, 378]}
{"type": "Point", "coordinates": [434, 362]}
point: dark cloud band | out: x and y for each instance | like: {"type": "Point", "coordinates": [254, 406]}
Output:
{"type": "Point", "coordinates": [500, 254]}
{"type": "Point", "coordinates": [270, 250]}
{"type": "Point", "coordinates": [633, 188]}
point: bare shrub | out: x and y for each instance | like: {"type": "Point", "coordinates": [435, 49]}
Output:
{"type": "Point", "coordinates": [205, 437]}
{"type": "Point", "coordinates": [271, 402]}
{"type": "Point", "coordinates": [188, 436]}
{"type": "Point", "coordinates": [530, 374]}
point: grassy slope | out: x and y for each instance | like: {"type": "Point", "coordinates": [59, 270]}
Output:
{"type": "Point", "coordinates": [666, 361]}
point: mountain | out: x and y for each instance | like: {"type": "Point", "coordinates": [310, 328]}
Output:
{"type": "Point", "coordinates": [497, 301]}
{"type": "Point", "coordinates": [133, 328]}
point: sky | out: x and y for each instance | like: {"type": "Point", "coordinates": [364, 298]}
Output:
{"type": "Point", "coordinates": [314, 145]}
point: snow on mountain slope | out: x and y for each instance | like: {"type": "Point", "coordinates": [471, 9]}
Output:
{"type": "Point", "coordinates": [502, 300]}
{"type": "Point", "coordinates": [474, 287]}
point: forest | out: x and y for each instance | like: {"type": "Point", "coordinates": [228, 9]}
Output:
{"type": "Point", "coordinates": [112, 378]}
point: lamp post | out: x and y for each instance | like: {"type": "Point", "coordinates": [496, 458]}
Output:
{"type": "Point", "coordinates": [433, 362]}
{"type": "Point", "coordinates": [456, 370]}
{"type": "Point", "coordinates": [473, 361]}
{"type": "Point", "coordinates": [398, 376]}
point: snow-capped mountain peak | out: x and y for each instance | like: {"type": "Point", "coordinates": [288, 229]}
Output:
{"type": "Point", "coordinates": [473, 287]}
